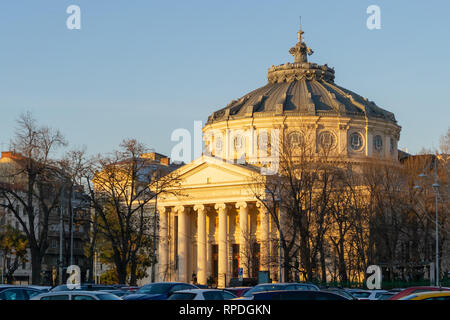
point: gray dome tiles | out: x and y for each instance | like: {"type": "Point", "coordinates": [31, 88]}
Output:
{"type": "Point", "coordinates": [301, 89]}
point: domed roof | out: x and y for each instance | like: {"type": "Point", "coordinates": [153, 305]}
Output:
{"type": "Point", "coordinates": [301, 88]}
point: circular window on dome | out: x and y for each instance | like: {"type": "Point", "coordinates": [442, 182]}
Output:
{"type": "Point", "coordinates": [356, 141]}
{"type": "Point", "coordinates": [327, 140]}
{"type": "Point", "coordinates": [378, 142]}
{"type": "Point", "coordinates": [295, 139]}
{"type": "Point", "coordinates": [238, 143]}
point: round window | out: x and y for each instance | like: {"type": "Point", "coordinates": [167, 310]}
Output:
{"type": "Point", "coordinates": [356, 141]}
{"type": "Point", "coordinates": [378, 143]}
{"type": "Point", "coordinates": [327, 140]}
{"type": "Point", "coordinates": [295, 139]}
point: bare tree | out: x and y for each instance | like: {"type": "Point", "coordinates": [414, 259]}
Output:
{"type": "Point", "coordinates": [31, 184]}
{"type": "Point", "coordinates": [120, 188]}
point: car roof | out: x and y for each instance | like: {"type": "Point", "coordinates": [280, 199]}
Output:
{"type": "Point", "coordinates": [54, 293]}
{"type": "Point", "coordinates": [198, 290]}
{"type": "Point", "coordinates": [430, 294]}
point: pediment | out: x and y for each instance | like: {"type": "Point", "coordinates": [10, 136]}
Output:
{"type": "Point", "coordinates": [210, 171]}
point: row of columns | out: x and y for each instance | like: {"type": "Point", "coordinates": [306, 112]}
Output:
{"type": "Point", "coordinates": [222, 241]}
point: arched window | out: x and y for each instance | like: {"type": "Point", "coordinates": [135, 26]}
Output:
{"type": "Point", "coordinates": [378, 142]}
{"type": "Point", "coordinates": [392, 145]}
{"type": "Point", "coordinates": [295, 139]}
{"type": "Point", "coordinates": [238, 142]}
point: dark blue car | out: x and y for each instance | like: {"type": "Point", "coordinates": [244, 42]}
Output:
{"type": "Point", "coordinates": [158, 291]}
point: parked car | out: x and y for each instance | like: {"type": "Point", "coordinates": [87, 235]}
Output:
{"type": "Point", "coordinates": [9, 292]}
{"type": "Point", "coordinates": [84, 287]}
{"type": "Point", "coordinates": [238, 291]}
{"type": "Point", "coordinates": [297, 295]}
{"type": "Point", "coordinates": [76, 295]}
{"type": "Point", "coordinates": [411, 290]}
{"type": "Point", "coordinates": [277, 286]}
{"type": "Point", "coordinates": [158, 291]}
{"type": "Point", "coordinates": [429, 295]}
{"type": "Point", "coordinates": [361, 294]}
{"type": "Point", "coordinates": [202, 294]}
{"type": "Point", "coordinates": [340, 291]}
{"type": "Point", "coordinates": [117, 292]}
{"type": "Point", "coordinates": [41, 288]}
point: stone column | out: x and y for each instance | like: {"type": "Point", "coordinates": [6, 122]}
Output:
{"type": "Point", "coordinates": [244, 235]}
{"type": "Point", "coordinates": [163, 245]}
{"type": "Point", "coordinates": [201, 244]}
{"type": "Point", "coordinates": [265, 239]}
{"type": "Point", "coordinates": [222, 268]}
{"type": "Point", "coordinates": [182, 244]}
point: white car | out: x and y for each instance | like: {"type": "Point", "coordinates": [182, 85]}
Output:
{"type": "Point", "coordinates": [201, 294]}
{"type": "Point", "coordinates": [76, 295]}
{"type": "Point", "coordinates": [361, 294]}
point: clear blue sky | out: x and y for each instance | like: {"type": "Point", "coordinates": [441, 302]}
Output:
{"type": "Point", "coordinates": [143, 68]}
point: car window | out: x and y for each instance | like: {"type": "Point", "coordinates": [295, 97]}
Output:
{"type": "Point", "coordinates": [82, 297]}
{"type": "Point", "coordinates": [155, 288]}
{"type": "Point", "coordinates": [179, 287]}
{"type": "Point", "coordinates": [182, 296]}
{"type": "Point", "coordinates": [13, 294]}
{"type": "Point", "coordinates": [227, 295]}
{"type": "Point", "coordinates": [108, 296]}
{"type": "Point", "coordinates": [56, 297]}
{"type": "Point", "coordinates": [302, 287]}
{"type": "Point", "coordinates": [360, 294]}
{"type": "Point", "coordinates": [294, 295]}
{"type": "Point", "coordinates": [31, 293]}
{"type": "Point", "coordinates": [213, 295]}
{"type": "Point", "coordinates": [326, 296]}
{"type": "Point", "coordinates": [439, 298]}
{"type": "Point", "coordinates": [262, 288]}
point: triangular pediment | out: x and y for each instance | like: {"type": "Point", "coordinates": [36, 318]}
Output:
{"type": "Point", "coordinates": [211, 171]}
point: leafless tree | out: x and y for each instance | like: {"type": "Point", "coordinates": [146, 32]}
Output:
{"type": "Point", "coordinates": [33, 182]}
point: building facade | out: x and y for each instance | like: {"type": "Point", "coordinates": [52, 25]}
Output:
{"type": "Point", "coordinates": [216, 227]}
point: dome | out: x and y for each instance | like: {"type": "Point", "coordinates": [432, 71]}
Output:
{"type": "Point", "coordinates": [301, 88]}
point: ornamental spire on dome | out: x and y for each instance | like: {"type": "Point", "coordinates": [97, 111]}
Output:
{"type": "Point", "coordinates": [301, 51]}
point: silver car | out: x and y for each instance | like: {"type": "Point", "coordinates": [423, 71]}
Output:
{"type": "Point", "coordinates": [202, 294]}
{"type": "Point", "coordinates": [76, 295]}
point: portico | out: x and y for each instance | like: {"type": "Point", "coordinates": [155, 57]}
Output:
{"type": "Point", "coordinates": [212, 229]}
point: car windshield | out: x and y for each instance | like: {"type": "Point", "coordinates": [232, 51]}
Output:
{"type": "Point", "coordinates": [262, 288]}
{"type": "Point", "coordinates": [155, 288]}
{"type": "Point", "coordinates": [385, 296]}
{"type": "Point", "coordinates": [64, 287]}
{"type": "Point", "coordinates": [361, 294]}
{"type": "Point", "coordinates": [107, 296]}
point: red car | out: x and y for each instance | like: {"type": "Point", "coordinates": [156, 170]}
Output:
{"type": "Point", "coordinates": [411, 290]}
{"type": "Point", "coordinates": [238, 291]}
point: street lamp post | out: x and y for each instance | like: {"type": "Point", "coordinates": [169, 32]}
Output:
{"type": "Point", "coordinates": [435, 186]}
{"type": "Point", "coordinates": [436, 192]}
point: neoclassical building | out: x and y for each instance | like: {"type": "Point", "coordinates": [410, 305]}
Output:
{"type": "Point", "coordinates": [214, 222]}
